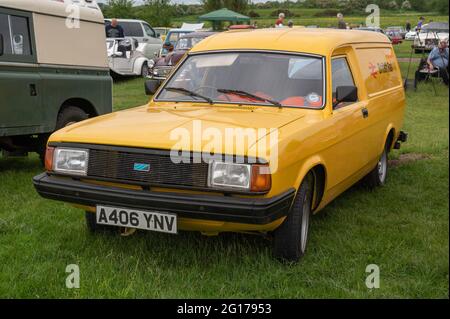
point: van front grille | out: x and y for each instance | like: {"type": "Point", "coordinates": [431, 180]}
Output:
{"type": "Point", "coordinates": [159, 169]}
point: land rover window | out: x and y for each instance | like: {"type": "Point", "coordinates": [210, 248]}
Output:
{"type": "Point", "coordinates": [249, 78]}
{"type": "Point", "coordinates": [150, 32]}
{"type": "Point", "coordinates": [6, 33]}
{"type": "Point", "coordinates": [17, 41]}
{"type": "Point", "coordinates": [20, 36]}
{"type": "Point", "coordinates": [132, 29]}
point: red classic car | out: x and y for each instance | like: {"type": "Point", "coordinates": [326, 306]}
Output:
{"type": "Point", "coordinates": [164, 65]}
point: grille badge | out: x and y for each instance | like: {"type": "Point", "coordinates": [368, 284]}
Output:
{"type": "Point", "coordinates": [141, 167]}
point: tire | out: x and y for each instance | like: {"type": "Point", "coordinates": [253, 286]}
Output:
{"type": "Point", "coordinates": [291, 238]}
{"type": "Point", "coordinates": [70, 115]}
{"type": "Point", "coordinates": [145, 72]}
{"type": "Point", "coordinates": [377, 177]}
{"type": "Point", "coordinates": [93, 227]}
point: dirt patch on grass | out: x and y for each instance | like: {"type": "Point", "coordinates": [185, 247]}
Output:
{"type": "Point", "coordinates": [408, 158]}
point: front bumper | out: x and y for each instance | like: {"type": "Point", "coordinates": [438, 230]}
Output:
{"type": "Point", "coordinates": [258, 211]}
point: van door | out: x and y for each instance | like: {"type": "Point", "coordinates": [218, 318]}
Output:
{"type": "Point", "coordinates": [351, 149]}
{"type": "Point", "coordinates": [20, 83]}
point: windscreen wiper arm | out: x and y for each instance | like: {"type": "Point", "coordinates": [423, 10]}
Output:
{"type": "Point", "coordinates": [190, 93]}
{"type": "Point", "coordinates": [250, 95]}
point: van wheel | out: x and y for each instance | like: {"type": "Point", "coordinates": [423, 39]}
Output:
{"type": "Point", "coordinates": [377, 177]}
{"type": "Point", "coordinates": [70, 115]}
{"type": "Point", "coordinates": [291, 238]}
{"type": "Point", "coordinates": [93, 227]}
{"type": "Point", "coordinates": [145, 72]}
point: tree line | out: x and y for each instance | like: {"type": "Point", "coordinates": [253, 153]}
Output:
{"type": "Point", "coordinates": [161, 12]}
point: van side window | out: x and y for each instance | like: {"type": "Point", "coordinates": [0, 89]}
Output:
{"type": "Point", "coordinates": [132, 29]}
{"type": "Point", "coordinates": [16, 35]}
{"type": "Point", "coordinates": [150, 32]}
{"type": "Point", "coordinates": [341, 75]}
{"type": "Point", "coordinates": [20, 34]}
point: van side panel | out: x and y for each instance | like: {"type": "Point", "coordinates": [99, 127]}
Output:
{"type": "Point", "coordinates": [383, 89]}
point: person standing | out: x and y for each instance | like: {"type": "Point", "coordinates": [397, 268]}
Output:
{"type": "Point", "coordinates": [420, 23]}
{"type": "Point", "coordinates": [341, 22]}
{"type": "Point", "coordinates": [114, 30]}
{"type": "Point", "coordinates": [408, 26]}
{"type": "Point", "coordinates": [280, 20]}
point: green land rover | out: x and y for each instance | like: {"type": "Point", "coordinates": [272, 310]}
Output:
{"type": "Point", "coordinates": [53, 70]}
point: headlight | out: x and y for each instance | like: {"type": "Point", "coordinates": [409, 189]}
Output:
{"type": "Point", "coordinates": [70, 161]}
{"type": "Point", "coordinates": [229, 175]}
{"type": "Point", "coordinates": [244, 177]}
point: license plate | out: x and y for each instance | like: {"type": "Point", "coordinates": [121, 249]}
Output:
{"type": "Point", "coordinates": [132, 218]}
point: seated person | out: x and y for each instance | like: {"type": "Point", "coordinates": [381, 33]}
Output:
{"type": "Point", "coordinates": [437, 63]}
{"type": "Point", "coordinates": [438, 59]}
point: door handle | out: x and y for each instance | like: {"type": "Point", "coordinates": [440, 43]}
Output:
{"type": "Point", "coordinates": [365, 112]}
{"type": "Point", "coordinates": [33, 91]}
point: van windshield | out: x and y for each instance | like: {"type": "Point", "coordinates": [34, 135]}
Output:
{"type": "Point", "coordinates": [248, 78]}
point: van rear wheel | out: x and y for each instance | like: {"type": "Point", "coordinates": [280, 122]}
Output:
{"type": "Point", "coordinates": [291, 238]}
{"type": "Point", "coordinates": [377, 177]}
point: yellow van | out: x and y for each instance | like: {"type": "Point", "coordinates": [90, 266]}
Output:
{"type": "Point", "coordinates": [253, 131]}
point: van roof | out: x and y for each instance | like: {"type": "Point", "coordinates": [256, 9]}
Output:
{"type": "Point", "coordinates": [89, 12]}
{"type": "Point", "coordinates": [315, 41]}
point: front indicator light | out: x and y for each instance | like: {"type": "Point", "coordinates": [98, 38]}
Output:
{"type": "Point", "coordinates": [49, 158]}
{"type": "Point", "coordinates": [261, 179]}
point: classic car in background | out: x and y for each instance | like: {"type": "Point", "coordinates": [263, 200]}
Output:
{"type": "Point", "coordinates": [162, 32]}
{"type": "Point", "coordinates": [148, 39]}
{"type": "Point", "coordinates": [430, 35]}
{"type": "Point", "coordinates": [411, 35]}
{"type": "Point", "coordinates": [171, 39]}
{"type": "Point", "coordinates": [395, 37]}
{"type": "Point", "coordinates": [164, 64]}
{"type": "Point", "coordinates": [125, 60]}
{"type": "Point", "coordinates": [396, 29]}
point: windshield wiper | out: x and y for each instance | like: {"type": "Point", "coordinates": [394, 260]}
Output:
{"type": "Point", "coordinates": [190, 93]}
{"type": "Point", "coordinates": [250, 95]}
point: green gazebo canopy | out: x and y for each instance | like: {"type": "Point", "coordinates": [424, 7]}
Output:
{"type": "Point", "coordinates": [223, 15]}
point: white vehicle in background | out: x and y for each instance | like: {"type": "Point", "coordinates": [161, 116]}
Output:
{"type": "Point", "coordinates": [411, 35]}
{"type": "Point", "coordinates": [125, 60]}
{"type": "Point", "coordinates": [148, 39]}
{"type": "Point", "coordinates": [430, 35]}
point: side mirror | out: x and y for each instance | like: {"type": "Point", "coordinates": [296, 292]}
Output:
{"type": "Point", "coordinates": [346, 94]}
{"type": "Point", "coordinates": [1, 44]}
{"type": "Point", "coordinates": [151, 86]}
{"type": "Point", "coordinates": [158, 35]}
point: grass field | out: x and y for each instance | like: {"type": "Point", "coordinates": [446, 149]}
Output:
{"type": "Point", "coordinates": [308, 16]}
{"type": "Point", "coordinates": [402, 227]}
